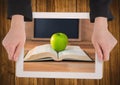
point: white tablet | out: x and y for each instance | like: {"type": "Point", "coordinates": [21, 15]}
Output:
{"type": "Point", "coordinates": [63, 69]}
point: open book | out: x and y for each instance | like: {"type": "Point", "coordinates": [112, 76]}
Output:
{"type": "Point", "coordinates": [45, 52]}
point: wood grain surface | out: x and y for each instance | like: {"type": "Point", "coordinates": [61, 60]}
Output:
{"type": "Point", "coordinates": [111, 67]}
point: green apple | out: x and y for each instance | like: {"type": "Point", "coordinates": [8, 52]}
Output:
{"type": "Point", "coordinates": [59, 41]}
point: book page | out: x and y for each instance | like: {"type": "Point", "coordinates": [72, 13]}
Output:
{"type": "Point", "coordinates": [74, 53]}
{"type": "Point", "coordinates": [39, 52]}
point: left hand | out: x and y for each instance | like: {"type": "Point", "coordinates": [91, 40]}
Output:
{"type": "Point", "coordinates": [15, 39]}
{"type": "Point", "coordinates": [103, 41]}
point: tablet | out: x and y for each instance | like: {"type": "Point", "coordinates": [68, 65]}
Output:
{"type": "Point", "coordinates": [63, 69]}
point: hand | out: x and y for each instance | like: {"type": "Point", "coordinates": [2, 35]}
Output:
{"type": "Point", "coordinates": [15, 38]}
{"type": "Point", "coordinates": [103, 41]}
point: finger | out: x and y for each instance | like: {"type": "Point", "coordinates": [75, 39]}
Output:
{"type": "Point", "coordinates": [106, 53]}
{"type": "Point", "coordinates": [17, 51]}
{"type": "Point", "coordinates": [10, 50]}
{"type": "Point", "coordinates": [99, 52]}
{"type": "Point", "coordinates": [10, 54]}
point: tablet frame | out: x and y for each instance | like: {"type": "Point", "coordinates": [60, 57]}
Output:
{"type": "Point", "coordinates": [98, 74]}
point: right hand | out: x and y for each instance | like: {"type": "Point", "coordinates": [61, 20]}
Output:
{"type": "Point", "coordinates": [102, 39]}
{"type": "Point", "coordinates": [15, 39]}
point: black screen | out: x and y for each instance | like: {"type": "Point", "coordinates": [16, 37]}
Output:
{"type": "Point", "coordinates": [44, 28]}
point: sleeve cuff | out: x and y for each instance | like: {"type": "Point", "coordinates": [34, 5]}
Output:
{"type": "Point", "coordinates": [20, 7]}
{"type": "Point", "coordinates": [100, 8]}
{"type": "Point", "coordinates": [107, 14]}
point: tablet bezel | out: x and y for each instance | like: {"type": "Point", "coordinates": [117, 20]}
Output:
{"type": "Point", "coordinates": [77, 75]}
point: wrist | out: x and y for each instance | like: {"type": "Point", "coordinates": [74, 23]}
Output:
{"type": "Point", "coordinates": [17, 21]}
{"type": "Point", "coordinates": [17, 18]}
{"type": "Point", "coordinates": [101, 23]}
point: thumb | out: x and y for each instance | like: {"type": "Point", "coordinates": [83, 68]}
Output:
{"type": "Point", "coordinates": [17, 51]}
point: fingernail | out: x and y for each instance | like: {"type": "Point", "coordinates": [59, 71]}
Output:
{"type": "Point", "coordinates": [16, 58]}
{"type": "Point", "coordinates": [106, 58]}
{"type": "Point", "coordinates": [100, 58]}
{"type": "Point", "coordinates": [9, 58]}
